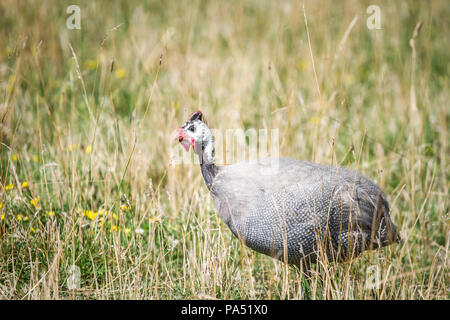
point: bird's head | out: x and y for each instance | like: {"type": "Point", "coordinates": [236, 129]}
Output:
{"type": "Point", "coordinates": [194, 132]}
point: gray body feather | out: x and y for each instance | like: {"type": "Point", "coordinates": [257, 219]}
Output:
{"type": "Point", "coordinates": [300, 210]}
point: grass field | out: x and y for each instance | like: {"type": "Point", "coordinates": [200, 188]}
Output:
{"type": "Point", "coordinates": [91, 206]}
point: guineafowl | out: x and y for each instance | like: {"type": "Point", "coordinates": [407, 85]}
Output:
{"type": "Point", "coordinates": [297, 213]}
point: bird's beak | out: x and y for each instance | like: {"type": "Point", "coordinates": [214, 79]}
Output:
{"type": "Point", "coordinates": [182, 138]}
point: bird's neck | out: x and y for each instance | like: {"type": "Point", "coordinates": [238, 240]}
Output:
{"type": "Point", "coordinates": [206, 157]}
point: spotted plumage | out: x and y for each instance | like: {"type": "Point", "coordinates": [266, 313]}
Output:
{"type": "Point", "coordinates": [292, 210]}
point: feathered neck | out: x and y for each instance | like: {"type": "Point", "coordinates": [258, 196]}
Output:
{"type": "Point", "coordinates": [206, 157]}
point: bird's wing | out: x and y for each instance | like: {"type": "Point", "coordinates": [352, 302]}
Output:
{"type": "Point", "coordinates": [304, 189]}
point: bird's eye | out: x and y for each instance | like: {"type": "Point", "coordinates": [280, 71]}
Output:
{"type": "Point", "coordinates": [191, 128]}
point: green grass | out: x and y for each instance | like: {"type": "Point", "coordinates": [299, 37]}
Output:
{"type": "Point", "coordinates": [86, 138]}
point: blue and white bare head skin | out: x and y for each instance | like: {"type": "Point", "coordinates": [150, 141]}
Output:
{"type": "Point", "coordinates": [194, 132]}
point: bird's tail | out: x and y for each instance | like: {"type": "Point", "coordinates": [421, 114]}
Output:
{"type": "Point", "coordinates": [386, 232]}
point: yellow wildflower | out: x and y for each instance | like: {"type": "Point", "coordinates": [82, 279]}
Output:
{"type": "Point", "coordinates": [33, 230]}
{"type": "Point", "coordinates": [153, 219]}
{"type": "Point", "coordinates": [15, 157]}
{"type": "Point", "coordinates": [2, 216]}
{"type": "Point", "coordinates": [88, 149]}
{"type": "Point", "coordinates": [124, 207]}
{"type": "Point", "coordinates": [72, 147]}
{"type": "Point", "coordinates": [127, 230]}
{"type": "Point", "coordinates": [1, 205]}
{"type": "Point", "coordinates": [19, 217]}
{"type": "Point", "coordinates": [90, 64]}
{"type": "Point", "coordinates": [114, 227]}
{"type": "Point", "coordinates": [24, 184]}
{"type": "Point", "coordinates": [120, 73]}
{"type": "Point", "coordinates": [35, 202]}
{"type": "Point", "coordinates": [9, 187]}
{"type": "Point", "coordinates": [90, 214]}
{"type": "Point", "coordinates": [51, 213]}
{"type": "Point", "coordinates": [35, 158]}
{"type": "Point", "coordinates": [114, 216]}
